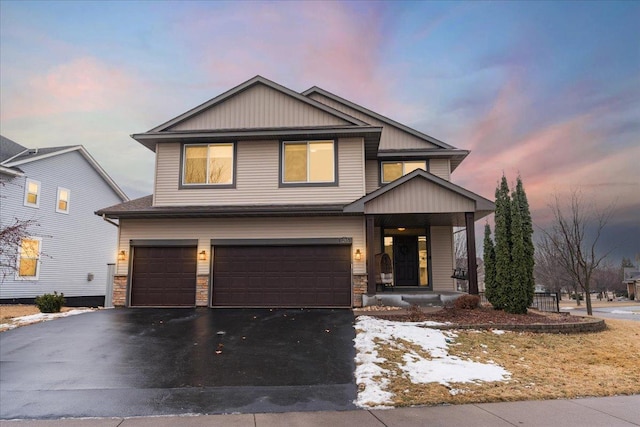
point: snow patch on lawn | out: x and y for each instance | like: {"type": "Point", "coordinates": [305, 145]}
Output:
{"type": "Point", "coordinates": [40, 317]}
{"type": "Point", "coordinates": [439, 368]}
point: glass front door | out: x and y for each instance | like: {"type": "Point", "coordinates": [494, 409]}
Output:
{"type": "Point", "coordinates": [408, 250]}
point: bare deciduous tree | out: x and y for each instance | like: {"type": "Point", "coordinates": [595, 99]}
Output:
{"type": "Point", "coordinates": [574, 235]}
{"type": "Point", "coordinates": [549, 271]}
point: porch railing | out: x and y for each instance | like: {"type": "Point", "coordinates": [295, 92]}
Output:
{"type": "Point", "coordinates": [543, 301]}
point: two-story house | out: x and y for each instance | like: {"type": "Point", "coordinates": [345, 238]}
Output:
{"type": "Point", "coordinates": [58, 189]}
{"type": "Point", "coordinates": [265, 197]}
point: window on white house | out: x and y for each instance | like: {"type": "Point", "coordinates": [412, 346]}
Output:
{"type": "Point", "coordinates": [62, 203]}
{"type": "Point", "coordinates": [394, 170]}
{"type": "Point", "coordinates": [29, 258]}
{"type": "Point", "coordinates": [32, 193]}
{"type": "Point", "coordinates": [208, 164]}
{"type": "Point", "coordinates": [308, 162]}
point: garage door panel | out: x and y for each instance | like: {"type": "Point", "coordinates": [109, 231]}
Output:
{"type": "Point", "coordinates": [282, 276]}
{"type": "Point", "coordinates": [163, 276]}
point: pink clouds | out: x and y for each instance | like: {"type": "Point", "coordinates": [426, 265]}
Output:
{"type": "Point", "coordinates": [82, 85]}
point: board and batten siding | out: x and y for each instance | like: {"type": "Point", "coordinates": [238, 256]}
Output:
{"type": "Point", "coordinates": [419, 196]}
{"type": "Point", "coordinates": [74, 244]}
{"type": "Point", "coordinates": [205, 229]}
{"type": "Point", "coordinates": [259, 107]}
{"type": "Point", "coordinates": [257, 178]}
{"type": "Point", "coordinates": [440, 168]}
{"type": "Point", "coordinates": [392, 138]}
{"type": "Point", "coordinates": [442, 258]}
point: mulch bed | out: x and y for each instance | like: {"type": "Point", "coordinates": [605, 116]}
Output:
{"type": "Point", "coordinates": [483, 315]}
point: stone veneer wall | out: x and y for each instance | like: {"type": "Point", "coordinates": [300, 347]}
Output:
{"type": "Point", "coordinates": [202, 291]}
{"type": "Point", "coordinates": [119, 291]}
{"type": "Point", "coordinates": [359, 288]}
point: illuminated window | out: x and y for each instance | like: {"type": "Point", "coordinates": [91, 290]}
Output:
{"type": "Point", "coordinates": [308, 162]}
{"type": "Point", "coordinates": [208, 164]}
{"type": "Point", "coordinates": [62, 204]}
{"type": "Point", "coordinates": [29, 259]}
{"type": "Point", "coordinates": [394, 170]}
{"type": "Point", "coordinates": [32, 193]}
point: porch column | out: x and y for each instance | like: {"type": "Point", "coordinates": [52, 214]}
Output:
{"type": "Point", "coordinates": [371, 257]}
{"type": "Point", "coordinates": [472, 267]}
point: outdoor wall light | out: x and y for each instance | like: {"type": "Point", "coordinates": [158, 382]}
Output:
{"type": "Point", "coordinates": [358, 255]}
{"type": "Point", "coordinates": [202, 256]}
{"type": "Point", "coordinates": [122, 255]}
{"type": "Point", "coordinates": [401, 228]}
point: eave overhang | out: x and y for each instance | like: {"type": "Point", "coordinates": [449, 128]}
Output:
{"type": "Point", "coordinates": [371, 135]}
{"type": "Point", "coordinates": [455, 155]}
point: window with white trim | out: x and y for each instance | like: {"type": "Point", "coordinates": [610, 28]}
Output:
{"type": "Point", "coordinates": [308, 162]}
{"type": "Point", "coordinates": [394, 170]}
{"type": "Point", "coordinates": [32, 193]}
{"type": "Point", "coordinates": [208, 164]}
{"type": "Point", "coordinates": [28, 265]}
{"type": "Point", "coordinates": [62, 201]}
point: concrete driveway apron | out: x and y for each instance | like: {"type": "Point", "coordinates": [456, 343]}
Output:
{"type": "Point", "coordinates": [134, 362]}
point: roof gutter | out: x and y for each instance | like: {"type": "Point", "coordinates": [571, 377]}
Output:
{"type": "Point", "coordinates": [110, 221]}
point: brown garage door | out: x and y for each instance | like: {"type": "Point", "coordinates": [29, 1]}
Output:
{"type": "Point", "coordinates": [282, 276]}
{"type": "Point", "coordinates": [164, 276]}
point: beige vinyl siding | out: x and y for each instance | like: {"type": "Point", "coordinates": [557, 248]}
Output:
{"type": "Point", "coordinates": [442, 258]}
{"type": "Point", "coordinates": [392, 137]}
{"type": "Point", "coordinates": [371, 176]}
{"type": "Point", "coordinates": [257, 178]}
{"type": "Point", "coordinates": [259, 107]}
{"type": "Point", "coordinates": [419, 196]}
{"type": "Point", "coordinates": [205, 229]}
{"type": "Point", "coordinates": [440, 168]}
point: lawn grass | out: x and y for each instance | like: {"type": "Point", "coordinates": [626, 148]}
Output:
{"type": "Point", "coordinates": [543, 366]}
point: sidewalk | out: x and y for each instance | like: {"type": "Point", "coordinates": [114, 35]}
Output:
{"type": "Point", "coordinates": [601, 411]}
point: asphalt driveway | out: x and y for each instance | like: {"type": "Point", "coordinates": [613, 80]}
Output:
{"type": "Point", "coordinates": [133, 362]}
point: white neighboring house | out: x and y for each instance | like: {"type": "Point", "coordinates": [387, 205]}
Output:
{"type": "Point", "coordinates": [60, 188]}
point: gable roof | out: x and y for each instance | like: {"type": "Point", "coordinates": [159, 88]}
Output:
{"type": "Point", "coordinates": [257, 80]}
{"type": "Point", "coordinates": [33, 155]}
{"type": "Point", "coordinates": [482, 206]}
{"type": "Point", "coordinates": [9, 148]}
{"type": "Point", "coordinates": [363, 110]}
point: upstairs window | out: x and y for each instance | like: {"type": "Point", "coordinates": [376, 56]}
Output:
{"type": "Point", "coordinates": [29, 258]}
{"type": "Point", "coordinates": [394, 170]}
{"type": "Point", "coordinates": [62, 203]}
{"type": "Point", "coordinates": [32, 193]}
{"type": "Point", "coordinates": [308, 162]}
{"type": "Point", "coordinates": [208, 164]}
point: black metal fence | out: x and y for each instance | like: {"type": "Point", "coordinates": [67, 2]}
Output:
{"type": "Point", "coordinates": [543, 301]}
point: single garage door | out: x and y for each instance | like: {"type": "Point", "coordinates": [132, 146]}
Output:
{"type": "Point", "coordinates": [164, 276]}
{"type": "Point", "coordinates": [282, 276]}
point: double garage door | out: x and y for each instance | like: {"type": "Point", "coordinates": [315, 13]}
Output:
{"type": "Point", "coordinates": [245, 276]}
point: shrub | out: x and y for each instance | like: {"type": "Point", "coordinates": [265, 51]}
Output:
{"type": "Point", "coordinates": [467, 302]}
{"type": "Point", "coordinates": [50, 303]}
{"type": "Point", "coordinates": [414, 313]}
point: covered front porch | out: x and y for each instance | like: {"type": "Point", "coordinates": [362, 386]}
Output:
{"type": "Point", "coordinates": [409, 239]}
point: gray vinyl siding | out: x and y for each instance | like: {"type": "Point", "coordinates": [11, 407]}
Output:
{"type": "Point", "coordinates": [440, 168]}
{"type": "Point", "coordinates": [442, 258]}
{"type": "Point", "coordinates": [372, 181]}
{"type": "Point", "coordinates": [392, 138]}
{"type": "Point", "coordinates": [259, 107]}
{"type": "Point", "coordinates": [73, 244]}
{"type": "Point", "coordinates": [205, 229]}
{"type": "Point", "coordinates": [257, 180]}
{"type": "Point", "coordinates": [419, 196]}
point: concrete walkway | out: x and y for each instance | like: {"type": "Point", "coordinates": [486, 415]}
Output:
{"type": "Point", "coordinates": [602, 411]}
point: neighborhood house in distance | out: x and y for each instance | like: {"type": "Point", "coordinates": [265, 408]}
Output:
{"type": "Point", "coordinates": [59, 188]}
{"type": "Point", "coordinates": [265, 197]}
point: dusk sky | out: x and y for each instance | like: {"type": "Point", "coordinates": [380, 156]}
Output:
{"type": "Point", "coordinates": [550, 90]}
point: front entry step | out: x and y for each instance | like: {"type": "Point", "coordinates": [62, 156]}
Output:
{"type": "Point", "coordinates": [421, 299]}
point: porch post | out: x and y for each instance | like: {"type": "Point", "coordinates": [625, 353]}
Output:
{"type": "Point", "coordinates": [371, 257]}
{"type": "Point", "coordinates": [472, 267]}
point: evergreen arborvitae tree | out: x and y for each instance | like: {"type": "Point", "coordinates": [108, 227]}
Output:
{"type": "Point", "coordinates": [503, 244]}
{"type": "Point", "coordinates": [527, 236]}
{"type": "Point", "coordinates": [489, 256]}
{"type": "Point", "coordinates": [516, 295]}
